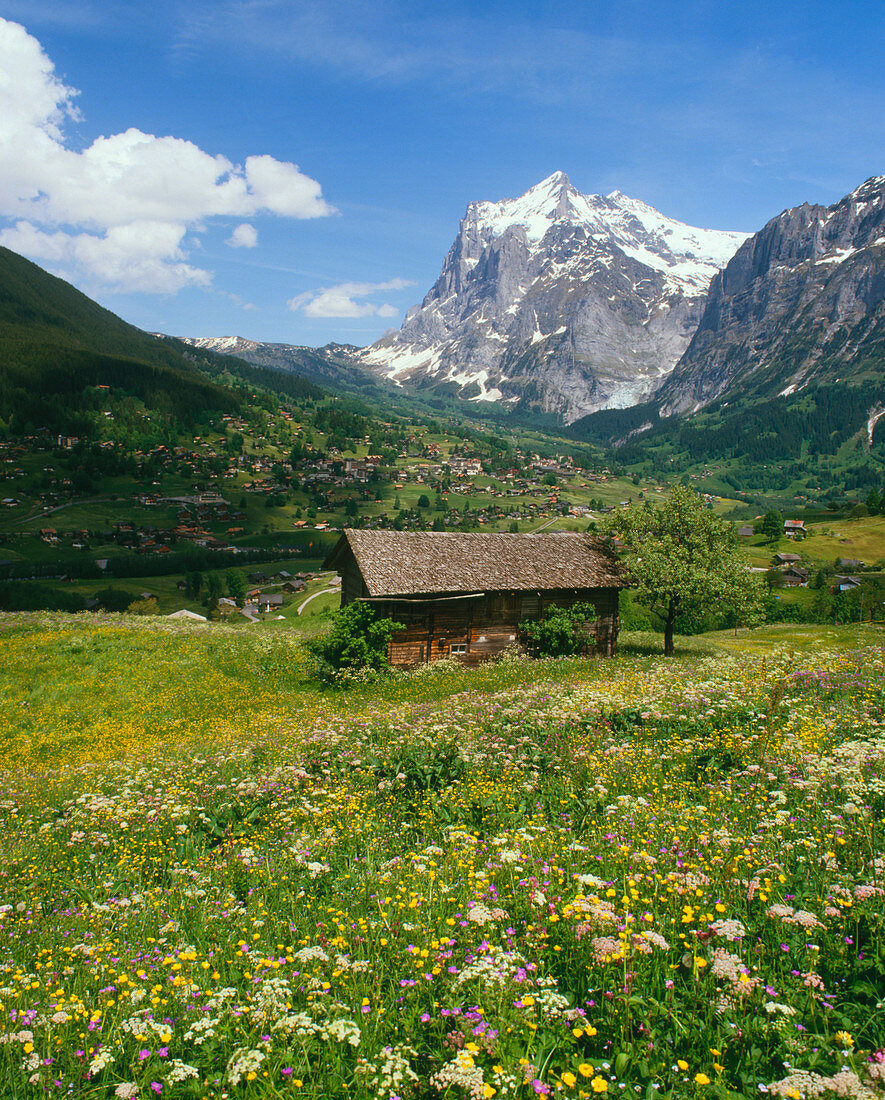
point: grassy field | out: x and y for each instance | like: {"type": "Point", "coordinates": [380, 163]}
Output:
{"type": "Point", "coordinates": [643, 877]}
{"type": "Point", "coordinates": [863, 539]}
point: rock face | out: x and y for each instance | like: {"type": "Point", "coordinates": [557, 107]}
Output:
{"type": "Point", "coordinates": [803, 300]}
{"type": "Point", "coordinates": [558, 301]}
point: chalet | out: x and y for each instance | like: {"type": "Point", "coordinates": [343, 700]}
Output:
{"type": "Point", "coordinates": [270, 601]}
{"type": "Point", "coordinates": [786, 559]}
{"type": "Point", "coordinates": [795, 527]}
{"type": "Point", "coordinates": [795, 577]}
{"type": "Point", "coordinates": [465, 595]}
{"type": "Point", "coordinates": [845, 584]}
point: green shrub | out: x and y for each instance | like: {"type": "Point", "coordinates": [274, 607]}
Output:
{"type": "Point", "coordinates": [358, 640]}
{"type": "Point", "coordinates": [114, 599]}
{"type": "Point", "coordinates": [633, 616]}
{"type": "Point", "coordinates": [777, 611]}
{"type": "Point", "coordinates": [32, 596]}
{"type": "Point", "coordinates": [150, 606]}
{"type": "Point", "coordinates": [563, 631]}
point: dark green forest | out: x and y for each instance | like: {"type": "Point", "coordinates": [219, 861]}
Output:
{"type": "Point", "coordinates": [816, 422]}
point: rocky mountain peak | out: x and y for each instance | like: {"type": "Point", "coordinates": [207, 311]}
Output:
{"type": "Point", "coordinates": [802, 301]}
{"type": "Point", "coordinates": [559, 300]}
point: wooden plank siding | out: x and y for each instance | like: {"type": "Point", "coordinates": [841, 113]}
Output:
{"type": "Point", "coordinates": [486, 625]}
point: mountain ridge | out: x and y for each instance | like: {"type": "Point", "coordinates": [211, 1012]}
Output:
{"type": "Point", "coordinates": [61, 350]}
{"type": "Point", "coordinates": [801, 301]}
{"type": "Point", "coordinates": [800, 306]}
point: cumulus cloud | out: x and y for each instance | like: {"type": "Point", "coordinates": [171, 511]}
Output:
{"type": "Point", "coordinates": [139, 256]}
{"type": "Point", "coordinates": [343, 300]}
{"type": "Point", "coordinates": [244, 236]}
{"type": "Point", "coordinates": [121, 209]}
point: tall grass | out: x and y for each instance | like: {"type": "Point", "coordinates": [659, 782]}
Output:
{"type": "Point", "coordinates": [645, 877]}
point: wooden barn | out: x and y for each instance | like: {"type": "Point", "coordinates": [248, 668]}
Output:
{"type": "Point", "coordinates": [465, 595]}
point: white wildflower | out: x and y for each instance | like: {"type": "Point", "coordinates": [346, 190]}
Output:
{"type": "Point", "coordinates": [102, 1060]}
{"type": "Point", "coordinates": [243, 1062]}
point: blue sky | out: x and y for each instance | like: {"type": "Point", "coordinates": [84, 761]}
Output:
{"type": "Point", "coordinates": [294, 170]}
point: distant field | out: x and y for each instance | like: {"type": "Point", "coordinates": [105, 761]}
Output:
{"type": "Point", "coordinates": [850, 538]}
{"type": "Point", "coordinates": [863, 539]}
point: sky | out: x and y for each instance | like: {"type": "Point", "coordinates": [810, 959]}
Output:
{"type": "Point", "coordinates": [295, 170]}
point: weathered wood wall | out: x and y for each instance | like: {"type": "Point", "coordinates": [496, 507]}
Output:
{"type": "Point", "coordinates": [487, 624]}
{"type": "Point", "coordinates": [352, 585]}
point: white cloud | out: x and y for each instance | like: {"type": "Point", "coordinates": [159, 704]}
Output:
{"type": "Point", "coordinates": [120, 210]}
{"type": "Point", "coordinates": [134, 257]}
{"type": "Point", "coordinates": [244, 236]}
{"type": "Point", "coordinates": [343, 300]}
{"type": "Point", "coordinates": [240, 302]}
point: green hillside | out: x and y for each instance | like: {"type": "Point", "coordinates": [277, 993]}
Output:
{"type": "Point", "coordinates": [58, 346]}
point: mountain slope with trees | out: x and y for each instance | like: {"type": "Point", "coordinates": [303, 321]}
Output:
{"type": "Point", "coordinates": [60, 350]}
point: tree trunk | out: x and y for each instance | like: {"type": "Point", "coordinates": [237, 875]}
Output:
{"type": "Point", "coordinates": [672, 608]}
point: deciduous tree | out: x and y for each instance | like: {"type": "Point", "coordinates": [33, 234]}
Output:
{"type": "Point", "coordinates": [771, 525]}
{"type": "Point", "coordinates": [680, 554]}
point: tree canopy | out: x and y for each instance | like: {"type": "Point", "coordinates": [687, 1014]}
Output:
{"type": "Point", "coordinates": [771, 525]}
{"type": "Point", "coordinates": [680, 555]}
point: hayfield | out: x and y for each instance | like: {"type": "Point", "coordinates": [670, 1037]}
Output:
{"type": "Point", "coordinates": [640, 877]}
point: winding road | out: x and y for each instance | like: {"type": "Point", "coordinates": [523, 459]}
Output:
{"type": "Point", "coordinates": [322, 592]}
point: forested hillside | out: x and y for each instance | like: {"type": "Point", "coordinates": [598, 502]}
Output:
{"type": "Point", "coordinates": [60, 350]}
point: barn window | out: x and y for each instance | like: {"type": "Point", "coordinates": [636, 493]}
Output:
{"type": "Point", "coordinates": [458, 647]}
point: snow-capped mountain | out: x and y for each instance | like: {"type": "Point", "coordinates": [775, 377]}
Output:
{"type": "Point", "coordinates": [558, 300]}
{"type": "Point", "coordinates": [225, 345]}
{"type": "Point", "coordinates": [334, 364]}
{"type": "Point", "coordinates": [802, 301]}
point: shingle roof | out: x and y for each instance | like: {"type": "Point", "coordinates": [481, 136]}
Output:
{"type": "Point", "coordinates": [403, 563]}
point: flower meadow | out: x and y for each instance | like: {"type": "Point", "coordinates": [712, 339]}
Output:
{"type": "Point", "coordinates": [642, 877]}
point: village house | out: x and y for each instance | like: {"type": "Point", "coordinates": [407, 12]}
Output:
{"type": "Point", "coordinates": [466, 595]}
{"type": "Point", "coordinates": [270, 601]}
{"type": "Point", "coordinates": [795, 577]}
{"type": "Point", "coordinates": [845, 583]}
